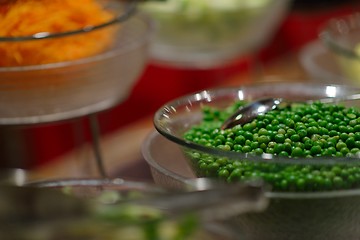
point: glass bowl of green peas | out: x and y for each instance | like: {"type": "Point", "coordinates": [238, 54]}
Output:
{"type": "Point", "coordinates": [307, 152]}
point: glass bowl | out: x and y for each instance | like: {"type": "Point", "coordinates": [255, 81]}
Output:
{"type": "Point", "coordinates": [90, 209]}
{"type": "Point", "coordinates": [36, 92]}
{"type": "Point", "coordinates": [341, 36]}
{"type": "Point", "coordinates": [319, 63]}
{"type": "Point", "coordinates": [120, 209]}
{"type": "Point", "coordinates": [203, 34]}
{"type": "Point", "coordinates": [296, 211]}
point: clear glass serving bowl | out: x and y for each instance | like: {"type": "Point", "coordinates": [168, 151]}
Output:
{"type": "Point", "coordinates": [341, 36]}
{"type": "Point", "coordinates": [90, 209]}
{"type": "Point", "coordinates": [121, 209]}
{"type": "Point", "coordinates": [293, 213]}
{"type": "Point", "coordinates": [203, 34]}
{"type": "Point", "coordinates": [320, 65]}
{"type": "Point", "coordinates": [54, 91]}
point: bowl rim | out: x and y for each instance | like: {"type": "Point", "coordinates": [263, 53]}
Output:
{"type": "Point", "coordinates": [145, 37]}
{"type": "Point", "coordinates": [121, 183]}
{"type": "Point", "coordinates": [213, 8]}
{"type": "Point", "coordinates": [205, 95]}
{"type": "Point", "coordinates": [334, 27]}
{"type": "Point", "coordinates": [130, 9]}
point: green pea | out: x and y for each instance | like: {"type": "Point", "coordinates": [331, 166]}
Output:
{"type": "Point", "coordinates": [351, 115]}
{"type": "Point", "coordinates": [333, 133]}
{"type": "Point", "coordinates": [248, 127]}
{"type": "Point", "coordinates": [302, 133]}
{"type": "Point", "coordinates": [300, 184]}
{"type": "Point", "coordinates": [240, 140]}
{"type": "Point", "coordinates": [344, 150]}
{"type": "Point", "coordinates": [312, 130]}
{"type": "Point", "coordinates": [258, 151]}
{"type": "Point", "coordinates": [340, 145]}
{"type": "Point", "coordinates": [327, 184]}
{"type": "Point", "coordinates": [224, 147]}
{"type": "Point", "coordinates": [319, 182]}
{"type": "Point", "coordinates": [284, 154]}
{"type": "Point", "coordinates": [356, 128]}
{"type": "Point", "coordinates": [237, 148]}
{"type": "Point", "coordinates": [336, 170]}
{"type": "Point", "coordinates": [350, 142]}
{"type": "Point", "coordinates": [349, 129]}
{"type": "Point", "coordinates": [235, 175]}
{"type": "Point", "coordinates": [297, 152]}
{"type": "Point", "coordinates": [295, 137]}
{"type": "Point", "coordinates": [246, 149]}
{"type": "Point", "coordinates": [263, 131]}
{"type": "Point", "coordinates": [275, 122]}
{"type": "Point", "coordinates": [355, 150]}
{"type": "Point", "coordinates": [290, 132]}
{"type": "Point", "coordinates": [342, 129]}
{"type": "Point", "coordinates": [315, 150]}
{"type": "Point", "coordinates": [263, 139]}
{"type": "Point", "coordinates": [254, 145]}
{"type": "Point", "coordinates": [322, 123]}
{"type": "Point", "coordinates": [213, 166]}
{"type": "Point", "coordinates": [338, 182]}
{"type": "Point", "coordinates": [248, 135]}
{"type": "Point", "coordinates": [323, 131]}
{"type": "Point", "coordinates": [220, 138]}
{"type": "Point", "coordinates": [281, 131]}
{"type": "Point", "coordinates": [331, 150]}
{"type": "Point", "coordinates": [203, 166]}
{"type": "Point", "coordinates": [224, 173]}
{"type": "Point", "coordinates": [287, 147]}
{"type": "Point", "coordinates": [284, 185]}
{"type": "Point", "coordinates": [221, 161]}
{"type": "Point", "coordinates": [279, 147]}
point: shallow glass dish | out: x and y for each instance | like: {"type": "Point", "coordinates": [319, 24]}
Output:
{"type": "Point", "coordinates": [293, 213]}
{"type": "Point", "coordinates": [203, 34]}
{"type": "Point", "coordinates": [52, 91]}
{"type": "Point", "coordinates": [341, 36]}
{"type": "Point", "coordinates": [126, 209]}
{"type": "Point", "coordinates": [91, 209]}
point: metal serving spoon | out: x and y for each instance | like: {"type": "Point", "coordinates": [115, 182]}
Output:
{"type": "Point", "coordinates": [250, 111]}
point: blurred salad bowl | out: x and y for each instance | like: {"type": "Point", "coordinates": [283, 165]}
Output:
{"type": "Point", "coordinates": [49, 76]}
{"type": "Point", "coordinates": [202, 33]}
{"type": "Point", "coordinates": [119, 209]}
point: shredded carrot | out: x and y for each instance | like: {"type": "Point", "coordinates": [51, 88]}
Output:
{"type": "Point", "coordinates": [28, 17]}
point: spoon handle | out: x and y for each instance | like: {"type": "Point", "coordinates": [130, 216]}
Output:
{"type": "Point", "coordinates": [250, 111]}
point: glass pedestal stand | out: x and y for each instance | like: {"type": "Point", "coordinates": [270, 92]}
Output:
{"type": "Point", "coordinates": [95, 135]}
{"type": "Point", "coordinates": [28, 146]}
